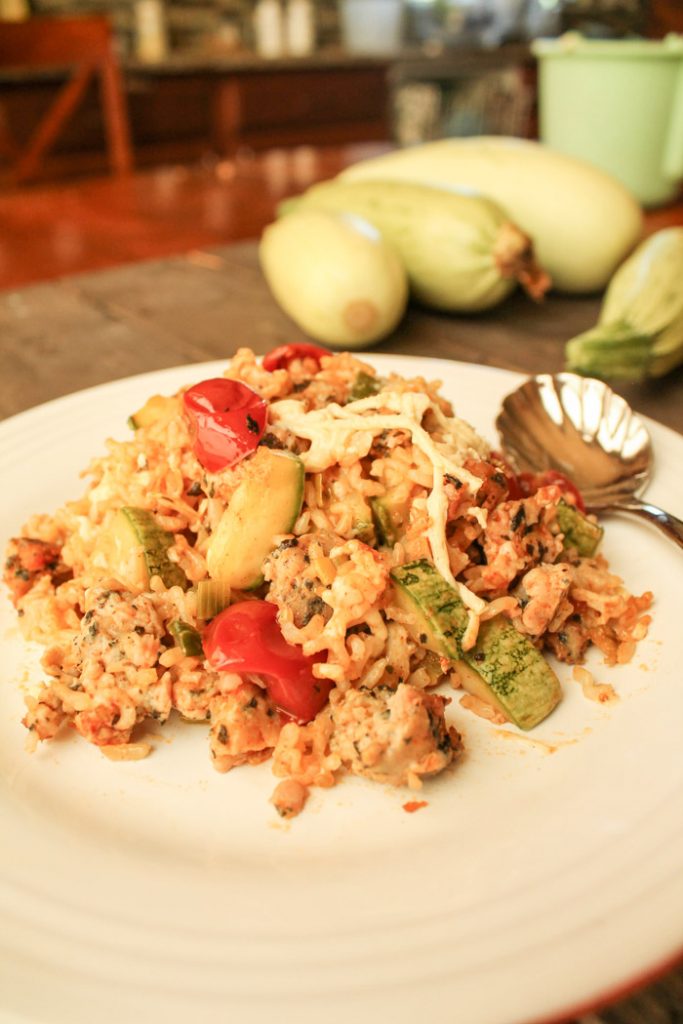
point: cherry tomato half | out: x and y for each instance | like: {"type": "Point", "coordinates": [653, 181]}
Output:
{"type": "Point", "coordinates": [529, 483]}
{"type": "Point", "coordinates": [246, 638]}
{"type": "Point", "coordinates": [281, 357]}
{"type": "Point", "coordinates": [228, 419]}
{"type": "Point", "coordinates": [511, 478]}
{"type": "Point", "coordinates": [522, 485]}
{"type": "Point", "coordinates": [552, 476]}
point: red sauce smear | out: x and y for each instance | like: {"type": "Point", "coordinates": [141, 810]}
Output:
{"type": "Point", "coordinates": [414, 805]}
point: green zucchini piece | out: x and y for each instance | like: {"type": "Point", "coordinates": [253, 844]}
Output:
{"type": "Point", "coordinates": [363, 525]}
{"type": "Point", "coordinates": [384, 527]}
{"type": "Point", "coordinates": [157, 407]}
{"type": "Point", "coordinates": [390, 515]}
{"type": "Point", "coordinates": [135, 548]}
{"type": "Point", "coordinates": [438, 617]}
{"type": "Point", "coordinates": [213, 596]}
{"type": "Point", "coordinates": [503, 668]}
{"type": "Point", "coordinates": [579, 532]}
{"type": "Point", "coordinates": [265, 504]}
{"type": "Point", "coordinates": [363, 386]}
{"type": "Point", "coordinates": [364, 529]}
{"type": "Point", "coordinates": [187, 638]}
{"type": "Point", "coordinates": [516, 677]}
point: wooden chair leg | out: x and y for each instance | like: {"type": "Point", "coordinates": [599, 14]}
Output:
{"type": "Point", "coordinates": [8, 145]}
{"type": "Point", "coordinates": [227, 116]}
{"type": "Point", "coordinates": [116, 123]}
{"type": "Point", "coordinates": [51, 125]}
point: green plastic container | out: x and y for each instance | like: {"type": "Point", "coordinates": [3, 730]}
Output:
{"type": "Point", "coordinates": [617, 104]}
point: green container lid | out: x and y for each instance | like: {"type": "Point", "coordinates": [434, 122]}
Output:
{"type": "Point", "coordinates": [617, 103]}
{"type": "Point", "coordinates": [573, 43]}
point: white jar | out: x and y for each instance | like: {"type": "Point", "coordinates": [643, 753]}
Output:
{"type": "Point", "coordinates": [300, 27]}
{"type": "Point", "coordinates": [269, 28]}
{"type": "Point", "coordinates": [14, 10]}
{"type": "Point", "coordinates": [151, 35]}
{"type": "Point", "coordinates": [372, 26]}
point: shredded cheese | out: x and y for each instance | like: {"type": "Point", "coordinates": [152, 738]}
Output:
{"type": "Point", "coordinates": [343, 434]}
{"type": "Point", "coordinates": [600, 692]}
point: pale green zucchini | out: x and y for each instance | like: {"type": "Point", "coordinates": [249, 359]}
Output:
{"type": "Point", "coordinates": [134, 548]}
{"type": "Point", "coordinates": [639, 333]}
{"type": "Point", "coordinates": [265, 504]}
{"type": "Point", "coordinates": [335, 276]}
{"type": "Point", "coordinates": [582, 221]}
{"type": "Point", "coordinates": [461, 252]}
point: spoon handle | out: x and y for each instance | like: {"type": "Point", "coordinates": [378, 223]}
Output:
{"type": "Point", "coordinates": [671, 525]}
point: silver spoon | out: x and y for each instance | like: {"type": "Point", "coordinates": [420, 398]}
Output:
{"type": "Point", "coordinates": [580, 427]}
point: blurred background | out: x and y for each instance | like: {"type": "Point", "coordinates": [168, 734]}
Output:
{"type": "Point", "coordinates": [196, 93]}
{"type": "Point", "coordinates": [308, 71]}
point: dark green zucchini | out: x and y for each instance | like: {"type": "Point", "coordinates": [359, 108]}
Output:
{"type": "Point", "coordinates": [516, 677]}
{"type": "Point", "coordinates": [438, 617]}
{"type": "Point", "coordinates": [580, 533]}
{"type": "Point", "coordinates": [363, 386]}
{"type": "Point", "coordinates": [390, 516]}
{"type": "Point", "coordinates": [503, 668]}
{"type": "Point", "coordinates": [187, 638]}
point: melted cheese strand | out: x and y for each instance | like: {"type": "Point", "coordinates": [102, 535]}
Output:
{"type": "Point", "coordinates": [329, 430]}
{"type": "Point", "coordinates": [339, 434]}
{"type": "Point", "coordinates": [437, 507]}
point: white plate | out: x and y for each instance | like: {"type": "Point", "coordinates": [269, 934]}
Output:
{"type": "Point", "coordinates": [544, 873]}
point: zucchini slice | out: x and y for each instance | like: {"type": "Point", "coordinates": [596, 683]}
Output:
{"type": "Point", "coordinates": [438, 617]}
{"type": "Point", "coordinates": [135, 548]}
{"type": "Point", "coordinates": [266, 503]}
{"type": "Point", "coordinates": [579, 532]}
{"type": "Point", "coordinates": [390, 515]}
{"type": "Point", "coordinates": [158, 407]}
{"type": "Point", "coordinates": [363, 523]}
{"type": "Point", "coordinates": [187, 638]}
{"type": "Point", "coordinates": [503, 668]}
{"type": "Point", "coordinates": [364, 385]}
{"type": "Point", "coordinates": [213, 596]}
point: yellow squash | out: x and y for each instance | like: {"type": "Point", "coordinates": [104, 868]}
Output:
{"type": "Point", "coordinates": [582, 221]}
{"type": "Point", "coordinates": [462, 253]}
{"type": "Point", "coordinates": [335, 276]}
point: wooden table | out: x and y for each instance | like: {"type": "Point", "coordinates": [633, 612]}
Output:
{"type": "Point", "coordinates": [85, 330]}
{"type": "Point", "coordinates": [88, 329]}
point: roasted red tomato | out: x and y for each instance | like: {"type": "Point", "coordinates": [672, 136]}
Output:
{"type": "Point", "coordinates": [246, 638]}
{"type": "Point", "coordinates": [530, 482]}
{"type": "Point", "coordinates": [522, 485]}
{"type": "Point", "coordinates": [281, 357]}
{"type": "Point", "coordinates": [551, 476]}
{"type": "Point", "coordinates": [228, 419]}
{"type": "Point", "coordinates": [511, 479]}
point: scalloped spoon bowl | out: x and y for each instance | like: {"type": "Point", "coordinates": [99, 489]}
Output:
{"type": "Point", "coordinates": [580, 427]}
